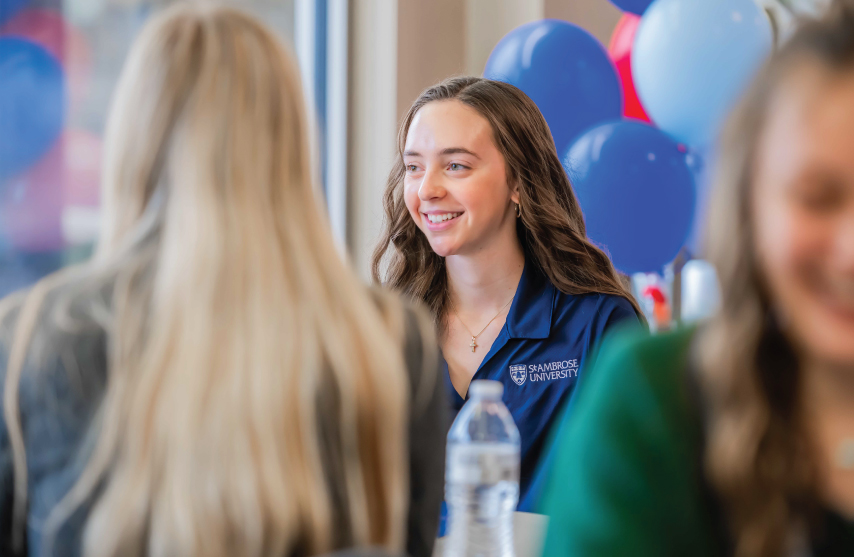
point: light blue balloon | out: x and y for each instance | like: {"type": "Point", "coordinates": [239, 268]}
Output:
{"type": "Point", "coordinates": [692, 59]}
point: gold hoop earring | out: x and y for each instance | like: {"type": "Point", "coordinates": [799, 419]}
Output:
{"type": "Point", "coordinates": [518, 211]}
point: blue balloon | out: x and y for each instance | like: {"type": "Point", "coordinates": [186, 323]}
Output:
{"type": "Point", "coordinates": [693, 58]}
{"type": "Point", "coordinates": [637, 7]}
{"type": "Point", "coordinates": [565, 70]}
{"type": "Point", "coordinates": [8, 8]}
{"type": "Point", "coordinates": [32, 97]}
{"type": "Point", "coordinates": [636, 192]}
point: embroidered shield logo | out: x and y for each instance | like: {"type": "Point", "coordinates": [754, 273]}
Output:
{"type": "Point", "coordinates": [518, 374]}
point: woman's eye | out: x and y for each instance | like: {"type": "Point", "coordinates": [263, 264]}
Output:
{"type": "Point", "coordinates": [824, 197]}
{"type": "Point", "coordinates": [411, 168]}
{"type": "Point", "coordinates": [456, 166]}
{"type": "Point", "coordinates": [821, 201]}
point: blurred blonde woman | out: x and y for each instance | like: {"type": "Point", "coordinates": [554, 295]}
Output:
{"type": "Point", "coordinates": [215, 381]}
{"type": "Point", "coordinates": [737, 438]}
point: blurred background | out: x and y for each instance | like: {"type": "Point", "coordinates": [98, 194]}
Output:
{"type": "Point", "coordinates": [59, 63]}
{"type": "Point", "coordinates": [363, 63]}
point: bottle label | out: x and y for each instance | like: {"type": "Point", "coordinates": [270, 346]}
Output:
{"type": "Point", "coordinates": [482, 463]}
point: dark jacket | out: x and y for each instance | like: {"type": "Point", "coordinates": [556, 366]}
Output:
{"type": "Point", "coordinates": [59, 415]}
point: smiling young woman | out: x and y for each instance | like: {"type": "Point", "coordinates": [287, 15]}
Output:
{"type": "Point", "coordinates": [483, 226]}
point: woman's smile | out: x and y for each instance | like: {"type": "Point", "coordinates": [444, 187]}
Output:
{"type": "Point", "coordinates": [836, 294]}
{"type": "Point", "coordinates": [437, 221]}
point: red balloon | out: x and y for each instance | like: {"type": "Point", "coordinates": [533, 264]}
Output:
{"type": "Point", "coordinates": [620, 50]}
{"type": "Point", "coordinates": [49, 30]}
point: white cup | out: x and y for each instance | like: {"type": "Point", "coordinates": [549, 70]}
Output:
{"type": "Point", "coordinates": [700, 291]}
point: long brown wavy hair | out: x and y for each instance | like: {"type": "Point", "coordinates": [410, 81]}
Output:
{"type": "Point", "coordinates": [758, 457]}
{"type": "Point", "coordinates": [551, 228]}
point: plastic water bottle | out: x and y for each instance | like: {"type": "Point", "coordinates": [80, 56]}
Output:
{"type": "Point", "coordinates": [700, 291]}
{"type": "Point", "coordinates": [482, 476]}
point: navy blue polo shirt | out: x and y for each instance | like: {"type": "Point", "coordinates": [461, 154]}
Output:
{"type": "Point", "coordinates": [547, 338]}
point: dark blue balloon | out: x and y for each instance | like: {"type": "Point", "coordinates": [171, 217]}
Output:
{"type": "Point", "coordinates": [32, 98]}
{"type": "Point", "coordinates": [565, 70]}
{"type": "Point", "coordinates": [637, 7]}
{"type": "Point", "coordinates": [636, 191]}
{"type": "Point", "coordinates": [9, 8]}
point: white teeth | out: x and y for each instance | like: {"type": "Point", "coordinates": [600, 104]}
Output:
{"type": "Point", "coordinates": [442, 218]}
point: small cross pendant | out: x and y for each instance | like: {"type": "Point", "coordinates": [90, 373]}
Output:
{"type": "Point", "coordinates": [473, 344]}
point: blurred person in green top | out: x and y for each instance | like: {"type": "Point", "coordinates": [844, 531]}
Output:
{"type": "Point", "coordinates": [737, 438]}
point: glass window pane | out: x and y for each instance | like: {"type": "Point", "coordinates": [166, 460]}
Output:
{"type": "Point", "coordinates": [59, 63]}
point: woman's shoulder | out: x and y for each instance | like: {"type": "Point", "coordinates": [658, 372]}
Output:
{"type": "Point", "coordinates": [10, 309]}
{"type": "Point", "coordinates": [596, 302]}
{"type": "Point", "coordinates": [58, 306]}
{"type": "Point", "coordinates": [641, 378]}
{"type": "Point", "coordinates": [411, 322]}
{"type": "Point", "coordinates": [594, 314]}
{"type": "Point", "coordinates": [662, 359]}
{"type": "Point", "coordinates": [633, 450]}
{"type": "Point", "coordinates": [408, 318]}
{"type": "Point", "coordinates": [64, 345]}
{"type": "Point", "coordinates": [591, 301]}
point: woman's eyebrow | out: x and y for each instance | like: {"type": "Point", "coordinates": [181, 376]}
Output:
{"type": "Point", "coordinates": [447, 151]}
{"type": "Point", "coordinates": [458, 151]}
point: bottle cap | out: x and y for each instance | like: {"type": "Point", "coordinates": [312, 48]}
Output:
{"type": "Point", "coordinates": [486, 389]}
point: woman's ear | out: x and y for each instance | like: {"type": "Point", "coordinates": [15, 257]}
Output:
{"type": "Point", "coordinates": [514, 192]}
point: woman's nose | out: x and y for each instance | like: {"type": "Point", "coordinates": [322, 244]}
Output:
{"type": "Point", "coordinates": [431, 186]}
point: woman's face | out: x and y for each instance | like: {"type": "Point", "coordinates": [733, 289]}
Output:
{"type": "Point", "coordinates": [803, 207]}
{"type": "Point", "coordinates": [456, 184]}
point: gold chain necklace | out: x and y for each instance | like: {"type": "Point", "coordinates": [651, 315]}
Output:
{"type": "Point", "coordinates": [473, 344]}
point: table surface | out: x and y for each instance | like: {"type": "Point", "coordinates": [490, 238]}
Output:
{"type": "Point", "coordinates": [529, 534]}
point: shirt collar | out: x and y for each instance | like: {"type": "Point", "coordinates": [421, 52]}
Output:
{"type": "Point", "coordinates": [530, 314]}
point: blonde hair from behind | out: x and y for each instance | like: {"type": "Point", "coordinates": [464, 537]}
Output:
{"type": "Point", "coordinates": [233, 321]}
